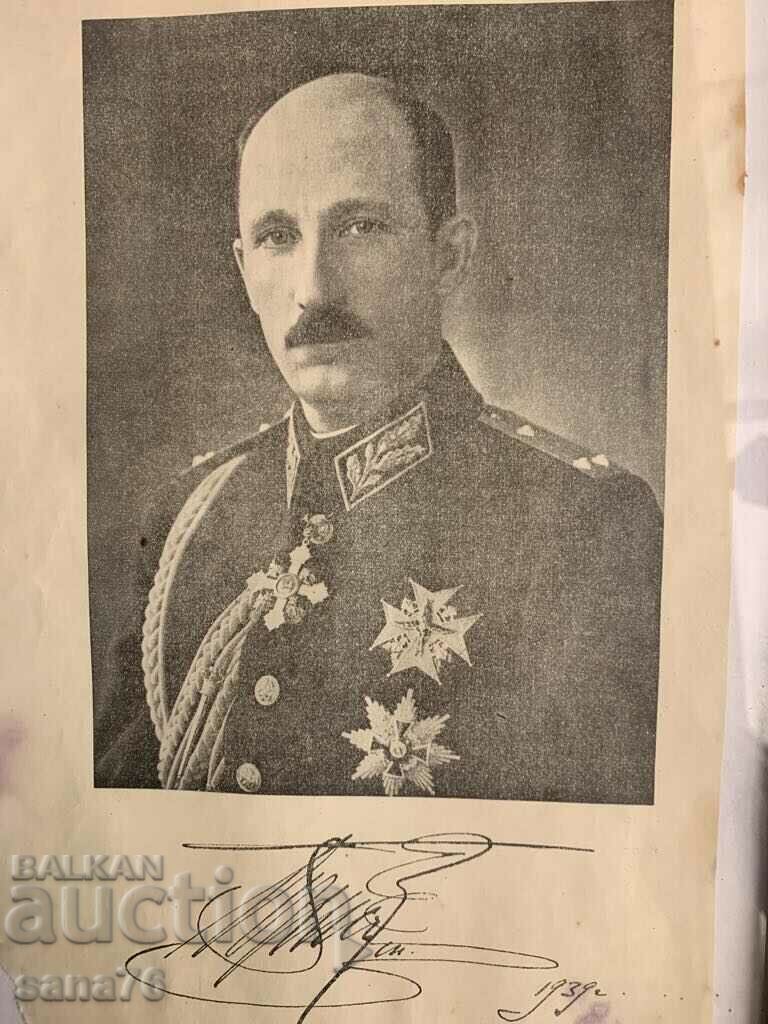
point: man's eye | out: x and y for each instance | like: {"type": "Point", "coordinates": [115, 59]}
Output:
{"type": "Point", "coordinates": [275, 238]}
{"type": "Point", "coordinates": [363, 226]}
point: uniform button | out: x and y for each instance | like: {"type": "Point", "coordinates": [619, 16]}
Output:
{"type": "Point", "coordinates": [248, 777]}
{"type": "Point", "coordinates": [266, 691]}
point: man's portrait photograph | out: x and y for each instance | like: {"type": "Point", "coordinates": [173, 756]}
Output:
{"type": "Point", "coordinates": [376, 332]}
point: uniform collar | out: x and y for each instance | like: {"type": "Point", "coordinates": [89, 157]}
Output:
{"type": "Point", "coordinates": [392, 443]}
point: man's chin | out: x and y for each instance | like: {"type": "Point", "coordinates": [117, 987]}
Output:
{"type": "Point", "coordinates": [325, 380]}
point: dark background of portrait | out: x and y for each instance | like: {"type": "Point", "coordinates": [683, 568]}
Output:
{"type": "Point", "coordinates": [561, 118]}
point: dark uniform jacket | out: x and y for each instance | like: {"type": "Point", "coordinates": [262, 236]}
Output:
{"type": "Point", "coordinates": [444, 600]}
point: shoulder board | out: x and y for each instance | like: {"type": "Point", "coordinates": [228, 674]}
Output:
{"type": "Point", "coordinates": [594, 464]}
{"type": "Point", "coordinates": [230, 451]}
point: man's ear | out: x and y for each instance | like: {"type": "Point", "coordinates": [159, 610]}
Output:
{"type": "Point", "coordinates": [237, 249]}
{"type": "Point", "coordinates": [456, 241]}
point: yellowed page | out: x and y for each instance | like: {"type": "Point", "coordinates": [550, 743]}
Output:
{"type": "Point", "coordinates": [472, 909]}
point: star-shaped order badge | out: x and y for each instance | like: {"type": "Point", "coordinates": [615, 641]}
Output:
{"type": "Point", "coordinates": [399, 747]}
{"type": "Point", "coordinates": [424, 632]}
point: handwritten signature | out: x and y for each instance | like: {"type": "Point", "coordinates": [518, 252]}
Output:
{"type": "Point", "coordinates": [336, 944]}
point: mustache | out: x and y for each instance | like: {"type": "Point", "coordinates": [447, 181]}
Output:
{"type": "Point", "coordinates": [326, 324]}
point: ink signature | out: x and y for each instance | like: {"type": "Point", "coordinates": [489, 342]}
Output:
{"type": "Point", "coordinates": [313, 940]}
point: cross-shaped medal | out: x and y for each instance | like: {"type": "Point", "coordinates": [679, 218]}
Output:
{"type": "Point", "coordinates": [289, 586]}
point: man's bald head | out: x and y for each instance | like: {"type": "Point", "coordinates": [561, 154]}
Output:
{"type": "Point", "coordinates": [333, 96]}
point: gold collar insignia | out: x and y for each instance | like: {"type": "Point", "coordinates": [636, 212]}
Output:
{"type": "Point", "coordinates": [376, 461]}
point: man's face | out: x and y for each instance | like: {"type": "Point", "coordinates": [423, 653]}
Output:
{"type": "Point", "coordinates": [335, 248]}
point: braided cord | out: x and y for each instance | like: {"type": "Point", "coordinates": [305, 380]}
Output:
{"type": "Point", "coordinates": [196, 771]}
{"type": "Point", "coordinates": [208, 672]}
{"type": "Point", "coordinates": [153, 631]}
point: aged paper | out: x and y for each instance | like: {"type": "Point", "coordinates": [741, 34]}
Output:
{"type": "Point", "coordinates": [474, 858]}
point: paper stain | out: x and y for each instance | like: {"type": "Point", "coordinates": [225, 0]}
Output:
{"type": "Point", "coordinates": [740, 112]}
{"type": "Point", "coordinates": [596, 1014]}
{"type": "Point", "coordinates": [11, 735]}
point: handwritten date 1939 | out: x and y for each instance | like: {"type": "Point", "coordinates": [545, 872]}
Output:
{"type": "Point", "coordinates": [558, 996]}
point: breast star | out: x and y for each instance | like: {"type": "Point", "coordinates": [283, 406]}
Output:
{"type": "Point", "coordinates": [399, 747]}
{"type": "Point", "coordinates": [424, 632]}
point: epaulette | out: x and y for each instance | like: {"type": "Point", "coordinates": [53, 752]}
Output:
{"type": "Point", "coordinates": [232, 450]}
{"type": "Point", "coordinates": [560, 448]}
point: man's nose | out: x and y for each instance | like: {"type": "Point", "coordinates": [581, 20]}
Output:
{"type": "Point", "coordinates": [316, 276]}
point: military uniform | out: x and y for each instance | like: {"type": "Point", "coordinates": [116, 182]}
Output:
{"type": "Point", "coordinates": [445, 600]}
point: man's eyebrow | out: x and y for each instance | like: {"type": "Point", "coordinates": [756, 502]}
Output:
{"type": "Point", "coordinates": [354, 207]}
{"type": "Point", "coordinates": [269, 219]}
